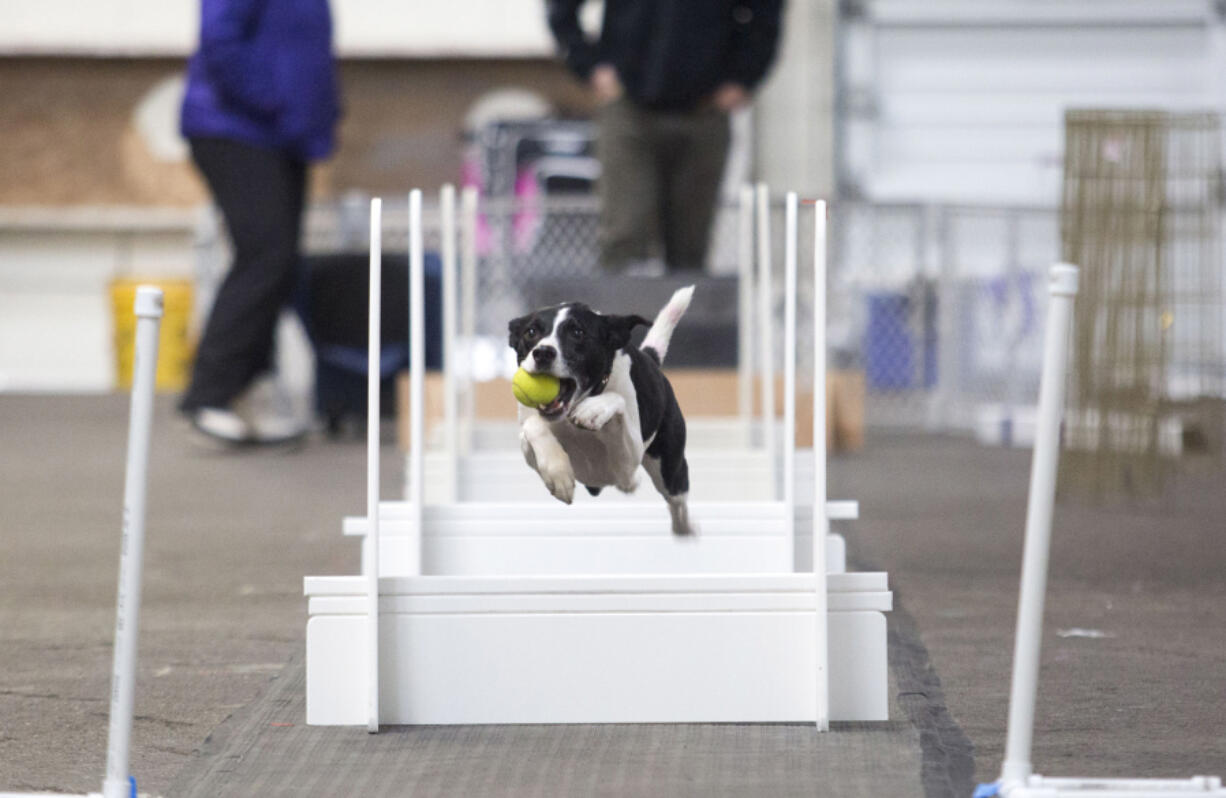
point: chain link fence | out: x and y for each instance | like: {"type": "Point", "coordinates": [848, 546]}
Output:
{"type": "Point", "coordinates": [943, 311]}
{"type": "Point", "coordinates": [940, 307]}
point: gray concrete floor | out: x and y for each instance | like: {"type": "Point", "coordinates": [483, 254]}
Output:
{"type": "Point", "coordinates": [230, 537]}
{"type": "Point", "coordinates": [946, 518]}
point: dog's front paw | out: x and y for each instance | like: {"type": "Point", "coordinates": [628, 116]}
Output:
{"type": "Point", "coordinates": [559, 478]}
{"type": "Point", "coordinates": [596, 411]}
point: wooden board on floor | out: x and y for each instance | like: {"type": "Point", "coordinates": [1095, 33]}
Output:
{"type": "Point", "coordinates": [700, 392]}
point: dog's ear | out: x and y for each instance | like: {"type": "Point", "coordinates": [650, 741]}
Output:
{"type": "Point", "coordinates": [515, 328]}
{"type": "Point", "coordinates": [618, 329]}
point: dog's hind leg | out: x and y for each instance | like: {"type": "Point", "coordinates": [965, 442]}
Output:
{"type": "Point", "coordinates": [671, 476]}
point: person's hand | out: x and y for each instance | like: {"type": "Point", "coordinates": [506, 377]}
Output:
{"type": "Point", "coordinates": [729, 97]}
{"type": "Point", "coordinates": [605, 83]}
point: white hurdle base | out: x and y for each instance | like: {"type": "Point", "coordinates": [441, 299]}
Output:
{"type": "Point", "coordinates": [597, 649]}
{"type": "Point", "coordinates": [480, 538]}
{"type": "Point", "coordinates": [1041, 787]}
{"type": "Point", "coordinates": [715, 475]}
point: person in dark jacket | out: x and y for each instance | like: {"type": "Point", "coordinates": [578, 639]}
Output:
{"type": "Point", "coordinates": [667, 73]}
{"type": "Point", "coordinates": [261, 103]}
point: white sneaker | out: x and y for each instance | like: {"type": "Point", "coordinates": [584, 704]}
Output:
{"type": "Point", "coordinates": [268, 413]}
{"type": "Point", "coordinates": [219, 428]}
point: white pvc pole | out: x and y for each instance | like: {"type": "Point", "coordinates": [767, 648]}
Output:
{"type": "Point", "coordinates": [1062, 286]}
{"type": "Point", "coordinates": [371, 543]}
{"type": "Point", "coordinates": [148, 307]}
{"type": "Point", "coordinates": [468, 303]}
{"type": "Point", "coordinates": [789, 372]}
{"type": "Point", "coordinates": [447, 226]}
{"type": "Point", "coordinates": [765, 318]}
{"type": "Point", "coordinates": [821, 526]}
{"type": "Point", "coordinates": [417, 377]}
{"type": "Point", "coordinates": [745, 295]}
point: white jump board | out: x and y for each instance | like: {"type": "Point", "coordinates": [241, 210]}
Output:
{"type": "Point", "coordinates": [702, 433]}
{"type": "Point", "coordinates": [553, 511]}
{"type": "Point", "coordinates": [597, 649]}
{"type": "Point", "coordinates": [715, 475]}
{"type": "Point", "coordinates": [520, 538]}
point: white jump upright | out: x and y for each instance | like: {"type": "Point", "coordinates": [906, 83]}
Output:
{"type": "Point", "coordinates": [789, 369]}
{"type": "Point", "coordinates": [821, 522]}
{"type": "Point", "coordinates": [370, 545]}
{"type": "Point", "coordinates": [468, 309]}
{"type": "Point", "coordinates": [148, 310]}
{"type": "Point", "coordinates": [1017, 778]}
{"type": "Point", "coordinates": [417, 373]}
{"type": "Point", "coordinates": [118, 781]}
{"type": "Point", "coordinates": [451, 398]}
{"type": "Point", "coordinates": [745, 313]}
{"type": "Point", "coordinates": [766, 341]}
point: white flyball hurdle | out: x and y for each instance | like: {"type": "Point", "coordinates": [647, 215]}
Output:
{"type": "Point", "coordinates": [1017, 778]}
{"type": "Point", "coordinates": [118, 782]}
{"type": "Point", "coordinates": [543, 613]}
{"type": "Point", "coordinates": [718, 472]}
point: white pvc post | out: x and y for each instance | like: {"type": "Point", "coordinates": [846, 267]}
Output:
{"type": "Point", "coordinates": [148, 309]}
{"type": "Point", "coordinates": [765, 318]}
{"type": "Point", "coordinates": [371, 542]}
{"type": "Point", "coordinates": [821, 526]}
{"type": "Point", "coordinates": [417, 377]}
{"type": "Point", "coordinates": [468, 303]}
{"type": "Point", "coordinates": [447, 228]}
{"type": "Point", "coordinates": [1062, 285]}
{"type": "Point", "coordinates": [789, 372]}
{"type": "Point", "coordinates": [745, 326]}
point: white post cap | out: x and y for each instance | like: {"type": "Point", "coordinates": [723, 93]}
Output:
{"type": "Point", "coordinates": [148, 303]}
{"type": "Point", "coordinates": [1062, 280]}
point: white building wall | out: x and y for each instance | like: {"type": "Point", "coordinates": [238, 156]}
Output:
{"type": "Point", "coordinates": [399, 28]}
{"type": "Point", "coordinates": [964, 100]}
{"type": "Point", "coordinates": [56, 268]}
{"type": "Point", "coordinates": [795, 108]}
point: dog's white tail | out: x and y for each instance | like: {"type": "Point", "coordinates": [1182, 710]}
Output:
{"type": "Point", "coordinates": [661, 331]}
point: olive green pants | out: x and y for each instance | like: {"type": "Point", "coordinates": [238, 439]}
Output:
{"type": "Point", "coordinates": [659, 183]}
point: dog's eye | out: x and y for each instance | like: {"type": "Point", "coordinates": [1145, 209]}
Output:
{"type": "Point", "coordinates": [534, 331]}
{"type": "Point", "coordinates": [576, 333]}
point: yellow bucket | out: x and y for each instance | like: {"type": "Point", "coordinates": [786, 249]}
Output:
{"type": "Point", "coordinates": [175, 346]}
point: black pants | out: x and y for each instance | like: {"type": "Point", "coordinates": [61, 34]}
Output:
{"type": "Point", "coordinates": [260, 193]}
{"type": "Point", "coordinates": [659, 183]}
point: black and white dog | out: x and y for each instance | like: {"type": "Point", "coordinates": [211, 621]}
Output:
{"type": "Point", "coordinates": [615, 411]}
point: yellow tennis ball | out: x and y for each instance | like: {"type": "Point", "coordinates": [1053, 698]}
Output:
{"type": "Point", "coordinates": [534, 390]}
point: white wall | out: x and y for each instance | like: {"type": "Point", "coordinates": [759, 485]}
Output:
{"type": "Point", "coordinates": [55, 308]}
{"type": "Point", "coordinates": [794, 109]}
{"type": "Point", "coordinates": [401, 28]}
{"type": "Point", "coordinates": [963, 100]}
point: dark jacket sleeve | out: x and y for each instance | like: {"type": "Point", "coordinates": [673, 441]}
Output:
{"type": "Point", "coordinates": [580, 54]}
{"type": "Point", "coordinates": [755, 39]}
{"type": "Point", "coordinates": [241, 72]}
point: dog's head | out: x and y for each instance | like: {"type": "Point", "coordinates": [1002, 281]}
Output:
{"type": "Point", "coordinates": [573, 343]}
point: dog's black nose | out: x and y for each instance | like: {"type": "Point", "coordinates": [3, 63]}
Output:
{"type": "Point", "coordinates": [544, 356]}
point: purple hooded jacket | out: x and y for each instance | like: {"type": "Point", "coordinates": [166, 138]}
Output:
{"type": "Point", "coordinates": [264, 75]}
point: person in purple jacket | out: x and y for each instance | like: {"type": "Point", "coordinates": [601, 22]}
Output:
{"type": "Point", "coordinates": [261, 103]}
